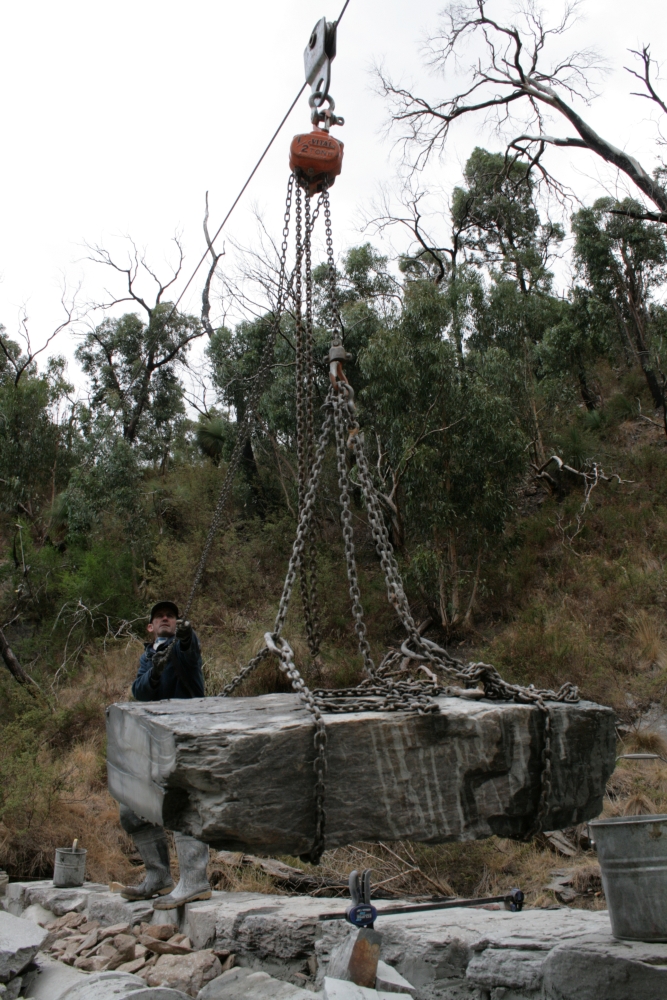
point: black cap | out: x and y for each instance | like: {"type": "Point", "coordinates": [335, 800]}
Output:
{"type": "Point", "coordinates": [163, 604]}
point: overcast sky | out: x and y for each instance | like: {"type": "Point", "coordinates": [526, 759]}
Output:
{"type": "Point", "coordinates": [117, 117]}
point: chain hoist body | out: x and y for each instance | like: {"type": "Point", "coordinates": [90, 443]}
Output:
{"type": "Point", "coordinates": [316, 158]}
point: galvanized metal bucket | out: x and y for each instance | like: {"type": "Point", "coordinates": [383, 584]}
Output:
{"type": "Point", "coordinates": [632, 851]}
{"type": "Point", "coordinates": [70, 867]}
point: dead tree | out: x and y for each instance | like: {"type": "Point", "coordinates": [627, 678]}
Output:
{"type": "Point", "coordinates": [20, 360]}
{"type": "Point", "coordinates": [520, 94]}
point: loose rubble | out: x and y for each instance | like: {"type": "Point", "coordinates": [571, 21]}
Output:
{"type": "Point", "coordinates": [253, 946]}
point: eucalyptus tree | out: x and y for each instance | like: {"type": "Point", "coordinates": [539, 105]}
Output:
{"type": "Point", "coordinates": [448, 448]}
{"type": "Point", "coordinates": [623, 261]}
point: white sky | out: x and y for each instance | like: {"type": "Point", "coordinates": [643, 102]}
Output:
{"type": "Point", "coordinates": [118, 116]}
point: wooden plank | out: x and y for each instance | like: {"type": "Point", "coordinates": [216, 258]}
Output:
{"type": "Point", "coordinates": [237, 772]}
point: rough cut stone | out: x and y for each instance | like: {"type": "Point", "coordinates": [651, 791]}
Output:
{"type": "Point", "coordinates": [391, 980]}
{"type": "Point", "coordinates": [237, 772]}
{"type": "Point", "coordinates": [20, 940]}
{"type": "Point", "coordinates": [11, 990]}
{"type": "Point", "coordinates": [188, 973]}
{"type": "Point", "coordinates": [602, 967]}
{"type": "Point", "coordinates": [109, 908]}
{"type": "Point", "coordinates": [437, 951]}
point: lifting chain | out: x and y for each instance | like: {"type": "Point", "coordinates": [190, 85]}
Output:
{"type": "Point", "coordinates": [389, 686]}
{"type": "Point", "coordinates": [310, 418]}
{"type": "Point", "coordinates": [304, 413]}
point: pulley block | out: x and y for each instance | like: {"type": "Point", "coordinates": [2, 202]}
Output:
{"type": "Point", "coordinates": [316, 158]}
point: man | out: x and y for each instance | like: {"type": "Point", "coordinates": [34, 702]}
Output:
{"type": "Point", "coordinates": [170, 667]}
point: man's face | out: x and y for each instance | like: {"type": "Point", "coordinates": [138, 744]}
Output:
{"type": "Point", "coordinates": [163, 623]}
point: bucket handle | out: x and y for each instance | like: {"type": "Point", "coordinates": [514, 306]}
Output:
{"type": "Point", "coordinates": [642, 756]}
{"type": "Point", "coordinates": [74, 845]}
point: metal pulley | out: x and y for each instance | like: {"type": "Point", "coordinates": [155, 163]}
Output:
{"type": "Point", "coordinates": [317, 58]}
{"type": "Point", "coordinates": [316, 157]}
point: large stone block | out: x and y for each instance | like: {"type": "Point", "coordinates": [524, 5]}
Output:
{"type": "Point", "coordinates": [237, 772]}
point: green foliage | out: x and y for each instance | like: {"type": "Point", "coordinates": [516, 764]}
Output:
{"type": "Point", "coordinates": [498, 221]}
{"type": "Point", "coordinates": [133, 370]}
{"type": "Point", "coordinates": [450, 446]}
{"type": "Point", "coordinates": [623, 260]}
{"type": "Point", "coordinates": [215, 437]}
{"type": "Point", "coordinates": [29, 780]}
{"type": "Point", "coordinates": [36, 450]}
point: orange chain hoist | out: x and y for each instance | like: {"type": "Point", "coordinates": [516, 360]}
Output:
{"type": "Point", "coordinates": [316, 158]}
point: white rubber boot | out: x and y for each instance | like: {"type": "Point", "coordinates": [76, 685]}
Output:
{"type": "Point", "coordinates": [154, 850]}
{"type": "Point", "coordinates": [193, 883]}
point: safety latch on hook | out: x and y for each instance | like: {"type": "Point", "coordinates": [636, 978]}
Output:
{"type": "Point", "coordinates": [317, 58]}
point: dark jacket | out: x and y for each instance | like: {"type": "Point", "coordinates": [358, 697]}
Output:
{"type": "Point", "coordinates": [182, 676]}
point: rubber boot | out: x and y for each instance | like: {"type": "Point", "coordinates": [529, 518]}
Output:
{"type": "Point", "coordinates": [152, 845]}
{"type": "Point", "coordinates": [193, 884]}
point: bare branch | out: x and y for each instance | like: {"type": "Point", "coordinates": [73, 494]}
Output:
{"type": "Point", "coordinates": [515, 90]}
{"type": "Point", "coordinates": [205, 295]}
{"type": "Point", "coordinates": [22, 362]}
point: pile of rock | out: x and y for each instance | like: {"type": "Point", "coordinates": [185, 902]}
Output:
{"type": "Point", "coordinates": [157, 953]}
{"type": "Point", "coordinates": [286, 953]}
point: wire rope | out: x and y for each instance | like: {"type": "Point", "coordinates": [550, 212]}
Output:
{"type": "Point", "coordinates": [247, 182]}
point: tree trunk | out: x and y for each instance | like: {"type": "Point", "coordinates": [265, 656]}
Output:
{"type": "Point", "coordinates": [589, 396]}
{"type": "Point", "coordinates": [14, 667]}
{"type": "Point", "coordinates": [251, 472]}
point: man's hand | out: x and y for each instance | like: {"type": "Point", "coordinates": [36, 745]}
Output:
{"type": "Point", "coordinates": [160, 657]}
{"type": "Point", "coordinates": [184, 632]}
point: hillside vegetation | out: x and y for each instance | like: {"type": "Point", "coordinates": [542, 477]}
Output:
{"type": "Point", "coordinates": [517, 439]}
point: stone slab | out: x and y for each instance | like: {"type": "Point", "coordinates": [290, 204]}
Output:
{"type": "Point", "coordinates": [20, 895]}
{"type": "Point", "coordinates": [437, 951]}
{"type": "Point", "coordinates": [602, 967]}
{"type": "Point", "coordinates": [237, 772]}
{"type": "Point", "coordinates": [20, 940]}
{"type": "Point", "coordinates": [110, 908]}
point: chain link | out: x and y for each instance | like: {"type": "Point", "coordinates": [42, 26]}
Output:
{"type": "Point", "coordinates": [333, 309]}
{"type": "Point", "coordinates": [348, 535]}
{"type": "Point", "coordinates": [304, 417]}
{"type": "Point", "coordinates": [389, 686]}
{"type": "Point", "coordinates": [311, 376]}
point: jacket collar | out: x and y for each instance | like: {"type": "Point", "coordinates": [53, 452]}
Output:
{"type": "Point", "coordinates": [149, 645]}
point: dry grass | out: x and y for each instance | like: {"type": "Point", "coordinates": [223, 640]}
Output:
{"type": "Point", "coordinates": [547, 614]}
